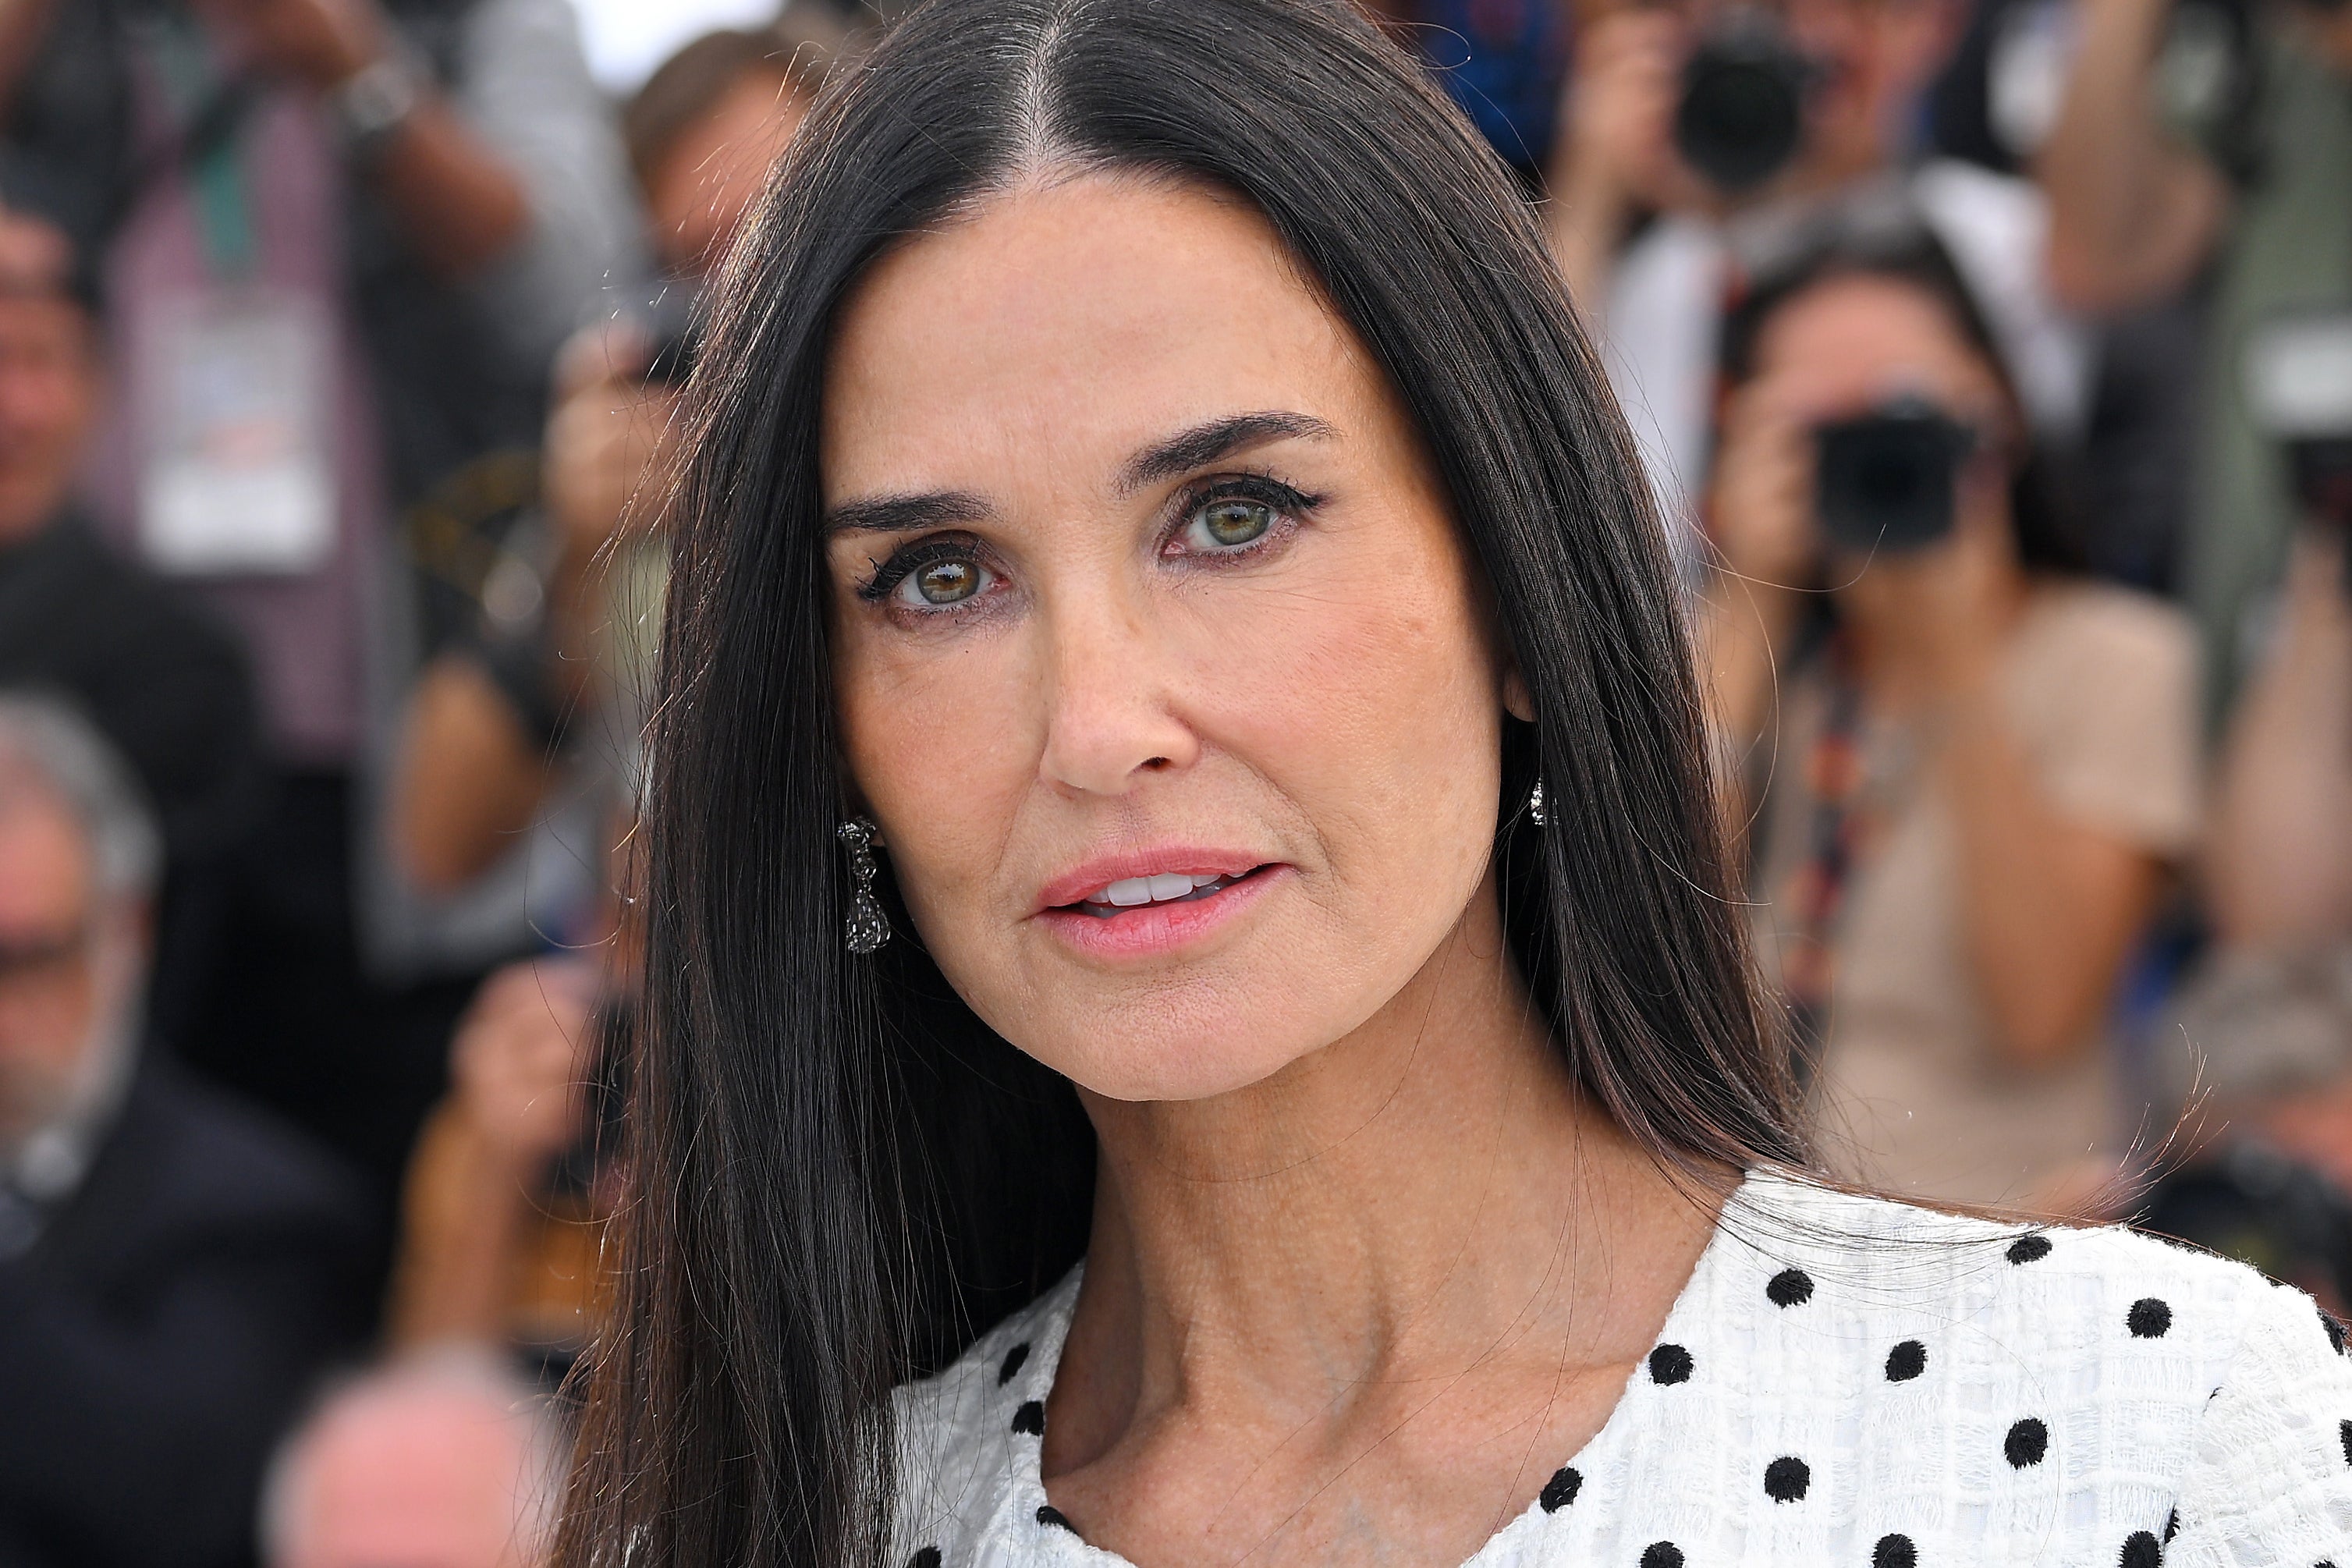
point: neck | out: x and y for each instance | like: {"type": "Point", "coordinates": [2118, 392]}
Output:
{"type": "Point", "coordinates": [1428, 1195]}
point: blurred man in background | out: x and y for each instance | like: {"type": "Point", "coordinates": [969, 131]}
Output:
{"type": "Point", "coordinates": [443, 1462]}
{"type": "Point", "coordinates": [173, 1269]}
{"type": "Point", "coordinates": [167, 687]}
{"type": "Point", "coordinates": [338, 244]}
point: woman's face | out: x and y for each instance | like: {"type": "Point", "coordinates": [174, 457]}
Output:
{"type": "Point", "coordinates": [1161, 666]}
{"type": "Point", "coordinates": [1850, 341]}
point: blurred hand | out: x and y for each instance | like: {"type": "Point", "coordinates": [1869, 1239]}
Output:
{"type": "Point", "coordinates": [1761, 509]}
{"type": "Point", "coordinates": [1944, 610]}
{"type": "Point", "coordinates": [323, 43]}
{"type": "Point", "coordinates": [607, 440]}
{"type": "Point", "coordinates": [521, 1059]}
{"type": "Point", "coordinates": [1620, 101]}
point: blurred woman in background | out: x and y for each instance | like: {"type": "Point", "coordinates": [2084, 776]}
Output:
{"type": "Point", "coordinates": [1965, 769]}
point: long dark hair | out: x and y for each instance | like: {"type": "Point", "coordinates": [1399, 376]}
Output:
{"type": "Point", "coordinates": [837, 1174]}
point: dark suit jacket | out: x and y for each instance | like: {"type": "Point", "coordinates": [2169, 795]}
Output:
{"type": "Point", "coordinates": [159, 1336]}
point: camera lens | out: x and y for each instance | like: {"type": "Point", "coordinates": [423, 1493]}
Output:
{"type": "Point", "coordinates": [1888, 481]}
{"type": "Point", "coordinates": [1742, 115]}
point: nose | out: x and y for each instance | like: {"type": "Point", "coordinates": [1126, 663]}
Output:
{"type": "Point", "coordinates": [1110, 720]}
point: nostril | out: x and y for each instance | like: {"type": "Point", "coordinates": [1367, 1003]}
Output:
{"type": "Point", "coordinates": [1157, 763]}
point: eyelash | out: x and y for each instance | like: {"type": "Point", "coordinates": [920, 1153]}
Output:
{"type": "Point", "coordinates": [1288, 503]}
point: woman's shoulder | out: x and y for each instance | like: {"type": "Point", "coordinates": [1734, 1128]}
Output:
{"type": "Point", "coordinates": [2177, 1387]}
{"type": "Point", "coordinates": [1892, 1253]}
{"type": "Point", "coordinates": [2075, 618]}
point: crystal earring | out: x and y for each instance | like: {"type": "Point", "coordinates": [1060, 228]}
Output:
{"type": "Point", "coordinates": [867, 928]}
{"type": "Point", "coordinates": [1534, 805]}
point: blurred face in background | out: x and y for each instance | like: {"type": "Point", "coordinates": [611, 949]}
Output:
{"type": "Point", "coordinates": [1877, 58]}
{"type": "Point", "coordinates": [53, 997]}
{"type": "Point", "coordinates": [1848, 344]}
{"type": "Point", "coordinates": [410, 1477]}
{"type": "Point", "coordinates": [716, 166]}
{"type": "Point", "coordinates": [48, 377]}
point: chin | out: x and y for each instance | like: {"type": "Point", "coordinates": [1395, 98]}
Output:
{"type": "Point", "coordinates": [1178, 1041]}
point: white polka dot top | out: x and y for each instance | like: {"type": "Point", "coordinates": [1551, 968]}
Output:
{"type": "Point", "coordinates": [1843, 1381]}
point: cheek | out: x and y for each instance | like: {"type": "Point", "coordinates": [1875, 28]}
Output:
{"type": "Point", "coordinates": [940, 745]}
{"type": "Point", "coordinates": [1371, 701]}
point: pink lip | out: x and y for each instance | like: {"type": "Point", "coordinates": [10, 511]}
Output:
{"type": "Point", "coordinates": [1152, 930]}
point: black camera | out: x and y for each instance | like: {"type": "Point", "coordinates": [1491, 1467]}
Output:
{"type": "Point", "coordinates": [1742, 115]}
{"type": "Point", "coordinates": [1889, 479]}
{"type": "Point", "coordinates": [2298, 387]}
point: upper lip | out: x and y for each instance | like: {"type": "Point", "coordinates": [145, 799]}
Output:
{"type": "Point", "coordinates": [1073, 884]}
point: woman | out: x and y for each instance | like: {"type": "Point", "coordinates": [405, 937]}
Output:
{"type": "Point", "coordinates": [1149, 486]}
{"type": "Point", "coordinates": [1971, 768]}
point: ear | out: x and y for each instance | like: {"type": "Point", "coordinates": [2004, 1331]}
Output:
{"type": "Point", "coordinates": [1515, 701]}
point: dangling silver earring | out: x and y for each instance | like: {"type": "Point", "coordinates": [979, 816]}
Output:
{"type": "Point", "coordinates": [1534, 805]}
{"type": "Point", "coordinates": [867, 928]}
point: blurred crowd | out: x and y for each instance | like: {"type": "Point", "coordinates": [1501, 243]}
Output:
{"type": "Point", "coordinates": [1990, 360]}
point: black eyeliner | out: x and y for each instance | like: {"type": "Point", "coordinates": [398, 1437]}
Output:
{"type": "Point", "coordinates": [909, 559]}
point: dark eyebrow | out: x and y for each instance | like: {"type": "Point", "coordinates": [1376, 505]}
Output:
{"type": "Point", "coordinates": [1203, 444]}
{"type": "Point", "coordinates": [905, 514]}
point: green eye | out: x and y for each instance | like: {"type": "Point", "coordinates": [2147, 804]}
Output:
{"type": "Point", "coordinates": [946, 581]}
{"type": "Point", "coordinates": [1233, 521]}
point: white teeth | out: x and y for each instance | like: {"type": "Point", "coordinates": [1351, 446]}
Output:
{"type": "Point", "coordinates": [1132, 893]}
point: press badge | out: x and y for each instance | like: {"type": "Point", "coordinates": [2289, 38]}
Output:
{"type": "Point", "coordinates": [238, 477]}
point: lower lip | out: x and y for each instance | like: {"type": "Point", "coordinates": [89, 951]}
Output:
{"type": "Point", "coordinates": [1151, 929]}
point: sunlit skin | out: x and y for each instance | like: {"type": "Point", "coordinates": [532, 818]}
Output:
{"type": "Point", "coordinates": [1138, 564]}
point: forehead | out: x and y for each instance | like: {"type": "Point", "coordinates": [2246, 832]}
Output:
{"type": "Point", "coordinates": [1863, 317]}
{"type": "Point", "coordinates": [1073, 319]}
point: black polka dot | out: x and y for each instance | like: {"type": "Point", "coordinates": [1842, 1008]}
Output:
{"type": "Point", "coordinates": [2171, 1526]}
{"type": "Point", "coordinates": [1786, 1478]}
{"type": "Point", "coordinates": [1048, 1514]}
{"type": "Point", "coordinates": [2334, 1329]}
{"type": "Point", "coordinates": [2148, 1317]}
{"type": "Point", "coordinates": [1670, 1364]}
{"type": "Point", "coordinates": [1030, 1418]}
{"type": "Point", "coordinates": [1562, 1489]}
{"type": "Point", "coordinates": [1013, 1359]}
{"type": "Point", "coordinates": [2026, 1443]}
{"type": "Point", "coordinates": [2030, 1247]}
{"type": "Point", "coordinates": [2140, 1551]}
{"type": "Point", "coordinates": [1791, 1288]}
{"type": "Point", "coordinates": [1894, 1551]}
{"type": "Point", "coordinates": [2344, 1432]}
{"type": "Point", "coordinates": [1905, 1362]}
{"type": "Point", "coordinates": [929, 1557]}
{"type": "Point", "coordinates": [1662, 1554]}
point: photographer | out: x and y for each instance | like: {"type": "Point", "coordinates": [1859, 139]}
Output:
{"type": "Point", "coordinates": [2246, 201]}
{"type": "Point", "coordinates": [1968, 770]}
{"type": "Point", "coordinates": [484, 720]}
{"type": "Point", "coordinates": [1694, 131]}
